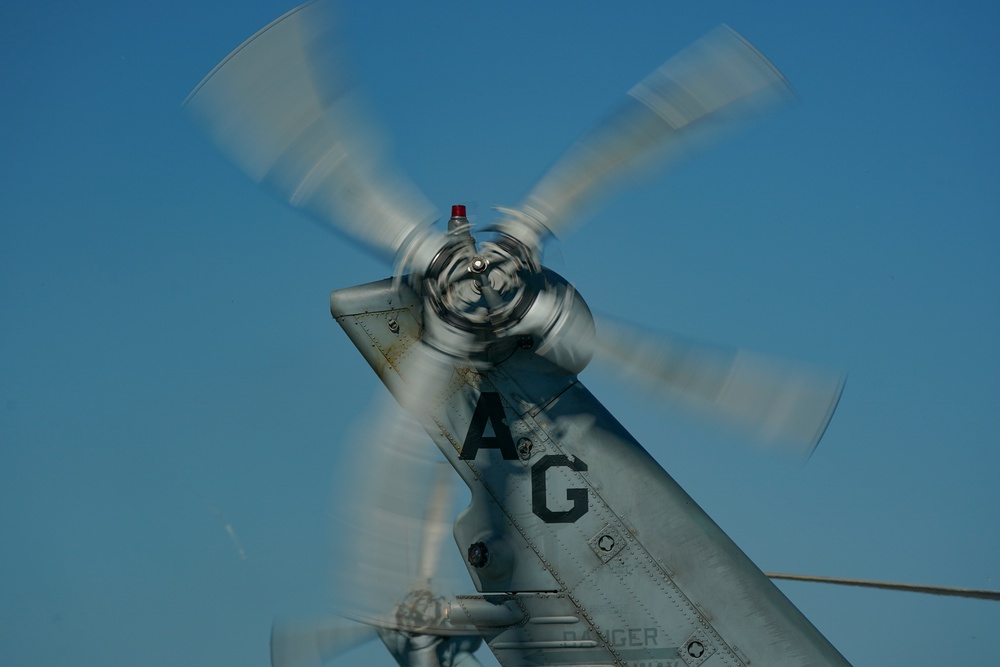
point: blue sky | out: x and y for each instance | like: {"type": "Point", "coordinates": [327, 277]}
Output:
{"type": "Point", "coordinates": [168, 365]}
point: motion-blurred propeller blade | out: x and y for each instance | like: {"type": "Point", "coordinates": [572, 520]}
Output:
{"type": "Point", "coordinates": [721, 77]}
{"type": "Point", "coordinates": [391, 515]}
{"type": "Point", "coordinates": [775, 401]}
{"type": "Point", "coordinates": [300, 644]}
{"type": "Point", "coordinates": [887, 585]}
{"type": "Point", "coordinates": [283, 109]}
{"type": "Point", "coordinates": [437, 521]}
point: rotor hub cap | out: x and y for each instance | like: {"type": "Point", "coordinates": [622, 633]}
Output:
{"type": "Point", "coordinates": [486, 291]}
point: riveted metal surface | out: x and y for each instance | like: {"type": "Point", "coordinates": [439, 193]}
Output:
{"type": "Point", "coordinates": [626, 554]}
{"type": "Point", "coordinates": [394, 345]}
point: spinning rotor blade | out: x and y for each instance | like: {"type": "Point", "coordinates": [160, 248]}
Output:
{"type": "Point", "coordinates": [392, 519]}
{"type": "Point", "coordinates": [912, 588]}
{"type": "Point", "coordinates": [437, 522]}
{"type": "Point", "coordinates": [313, 644]}
{"type": "Point", "coordinates": [721, 77]}
{"type": "Point", "coordinates": [393, 514]}
{"type": "Point", "coordinates": [281, 107]}
{"type": "Point", "coordinates": [774, 401]}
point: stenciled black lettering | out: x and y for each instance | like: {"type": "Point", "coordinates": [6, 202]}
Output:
{"type": "Point", "coordinates": [538, 500]}
{"type": "Point", "coordinates": [489, 412]}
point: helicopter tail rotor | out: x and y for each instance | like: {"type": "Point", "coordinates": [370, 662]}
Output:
{"type": "Point", "coordinates": [282, 107]}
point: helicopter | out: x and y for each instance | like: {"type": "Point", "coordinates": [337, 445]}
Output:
{"type": "Point", "coordinates": [583, 550]}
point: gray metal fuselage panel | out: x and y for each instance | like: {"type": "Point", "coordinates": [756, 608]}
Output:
{"type": "Point", "coordinates": [610, 560]}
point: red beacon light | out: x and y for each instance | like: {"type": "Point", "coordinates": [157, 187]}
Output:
{"type": "Point", "coordinates": [458, 219]}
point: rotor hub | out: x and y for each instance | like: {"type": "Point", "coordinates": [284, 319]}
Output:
{"type": "Point", "coordinates": [484, 292]}
{"type": "Point", "coordinates": [478, 264]}
{"type": "Point", "coordinates": [420, 610]}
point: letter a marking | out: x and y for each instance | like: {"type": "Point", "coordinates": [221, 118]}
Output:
{"type": "Point", "coordinates": [489, 412]}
